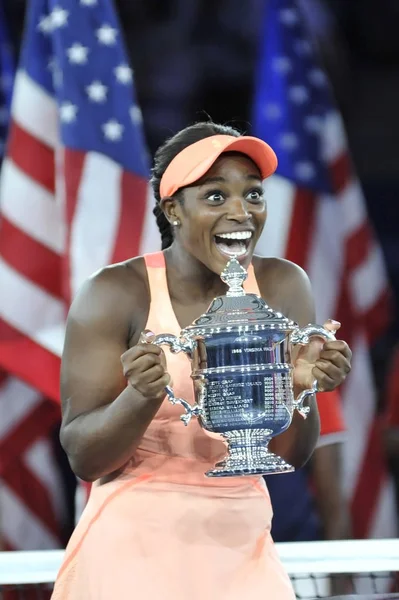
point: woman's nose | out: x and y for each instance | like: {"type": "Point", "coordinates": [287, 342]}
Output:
{"type": "Point", "coordinates": [238, 211]}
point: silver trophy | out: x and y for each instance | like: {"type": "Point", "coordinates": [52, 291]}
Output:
{"type": "Point", "coordinates": [240, 352]}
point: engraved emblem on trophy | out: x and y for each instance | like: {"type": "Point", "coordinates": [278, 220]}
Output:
{"type": "Point", "coordinates": [240, 352]}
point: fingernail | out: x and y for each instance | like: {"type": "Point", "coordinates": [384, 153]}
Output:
{"type": "Point", "coordinates": [146, 335]}
{"type": "Point", "coordinates": [334, 323]}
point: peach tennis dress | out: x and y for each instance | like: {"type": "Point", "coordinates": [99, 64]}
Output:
{"type": "Point", "coordinates": [162, 530]}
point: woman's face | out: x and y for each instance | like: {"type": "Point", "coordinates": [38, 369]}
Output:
{"type": "Point", "coordinates": [223, 214]}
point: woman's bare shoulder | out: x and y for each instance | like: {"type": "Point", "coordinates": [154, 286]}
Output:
{"type": "Point", "coordinates": [285, 285]}
{"type": "Point", "coordinates": [269, 268]}
{"type": "Point", "coordinates": [116, 294]}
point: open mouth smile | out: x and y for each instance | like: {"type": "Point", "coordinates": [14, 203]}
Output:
{"type": "Point", "coordinates": [234, 243]}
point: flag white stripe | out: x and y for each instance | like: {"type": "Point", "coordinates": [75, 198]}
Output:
{"type": "Point", "coordinates": [368, 280]}
{"type": "Point", "coordinates": [325, 277]}
{"type": "Point", "coordinates": [353, 212]}
{"type": "Point", "coordinates": [359, 408]}
{"type": "Point", "coordinates": [35, 110]}
{"type": "Point", "coordinates": [150, 237]}
{"type": "Point", "coordinates": [20, 527]}
{"type": "Point", "coordinates": [26, 306]}
{"type": "Point", "coordinates": [16, 401]}
{"type": "Point", "coordinates": [280, 195]}
{"type": "Point", "coordinates": [96, 218]}
{"type": "Point", "coordinates": [51, 338]}
{"type": "Point", "coordinates": [31, 208]}
{"type": "Point", "coordinates": [40, 460]}
{"type": "Point", "coordinates": [333, 139]}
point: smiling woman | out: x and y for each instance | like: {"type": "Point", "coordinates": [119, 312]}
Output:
{"type": "Point", "coordinates": [154, 525]}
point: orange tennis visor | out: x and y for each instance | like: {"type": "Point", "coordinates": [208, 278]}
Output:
{"type": "Point", "coordinates": [195, 160]}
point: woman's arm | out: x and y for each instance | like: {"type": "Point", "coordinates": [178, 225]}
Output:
{"type": "Point", "coordinates": [327, 362]}
{"type": "Point", "coordinates": [103, 418]}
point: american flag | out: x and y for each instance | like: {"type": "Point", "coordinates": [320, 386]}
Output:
{"type": "Point", "coordinates": [74, 197]}
{"type": "Point", "coordinates": [317, 218]}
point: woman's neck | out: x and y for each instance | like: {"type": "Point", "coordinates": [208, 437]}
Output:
{"type": "Point", "coordinates": [189, 279]}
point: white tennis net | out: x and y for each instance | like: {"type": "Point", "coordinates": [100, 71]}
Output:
{"type": "Point", "coordinates": [317, 569]}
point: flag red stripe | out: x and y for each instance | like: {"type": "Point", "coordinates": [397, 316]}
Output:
{"type": "Point", "coordinates": [345, 314]}
{"type": "Point", "coordinates": [358, 246]}
{"type": "Point", "coordinates": [301, 227]}
{"type": "Point", "coordinates": [24, 358]}
{"type": "Point", "coordinates": [340, 171]}
{"type": "Point", "coordinates": [30, 258]}
{"type": "Point", "coordinates": [378, 318]}
{"type": "Point", "coordinates": [32, 156]}
{"type": "Point", "coordinates": [35, 425]}
{"type": "Point", "coordinates": [131, 220]}
{"type": "Point", "coordinates": [74, 161]}
{"type": "Point", "coordinates": [22, 481]}
{"type": "Point", "coordinates": [3, 377]}
{"type": "Point", "coordinates": [371, 477]}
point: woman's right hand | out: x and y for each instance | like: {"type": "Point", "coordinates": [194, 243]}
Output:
{"type": "Point", "coordinates": [144, 367]}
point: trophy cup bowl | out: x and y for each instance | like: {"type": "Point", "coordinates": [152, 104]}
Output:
{"type": "Point", "coordinates": [240, 351]}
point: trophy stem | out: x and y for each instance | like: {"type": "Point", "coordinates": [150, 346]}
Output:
{"type": "Point", "coordinates": [248, 454]}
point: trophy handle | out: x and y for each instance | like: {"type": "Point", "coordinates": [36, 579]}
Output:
{"type": "Point", "coordinates": [303, 336]}
{"type": "Point", "coordinates": [176, 345]}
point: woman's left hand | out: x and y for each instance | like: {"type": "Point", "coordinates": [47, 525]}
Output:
{"type": "Point", "coordinates": [328, 362]}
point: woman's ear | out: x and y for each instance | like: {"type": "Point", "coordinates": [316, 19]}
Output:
{"type": "Point", "coordinates": [169, 206]}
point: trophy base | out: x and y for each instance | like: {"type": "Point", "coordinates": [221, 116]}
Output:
{"type": "Point", "coordinates": [248, 455]}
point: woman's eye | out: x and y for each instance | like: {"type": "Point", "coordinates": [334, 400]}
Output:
{"type": "Point", "coordinates": [215, 197]}
{"type": "Point", "coordinates": [255, 196]}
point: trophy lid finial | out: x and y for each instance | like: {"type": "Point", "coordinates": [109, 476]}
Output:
{"type": "Point", "coordinates": [234, 276]}
{"type": "Point", "coordinates": [238, 309]}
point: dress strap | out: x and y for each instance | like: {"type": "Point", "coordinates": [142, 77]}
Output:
{"type": "Point", "coordinates": [250, 284]}
{"type": "Point", "coordinates": [161, 316]}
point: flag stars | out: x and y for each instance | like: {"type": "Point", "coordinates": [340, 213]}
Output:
{"type": "Point", "coordinates": [77, 54]}
{"type": "Point", "coordinates": [288, 141]}
{"type": "Point", "coordinates": [298, 94]}
{"type": "Point", "coordinates": [313, 124]}
{"type": "Point", "coordinates": [56, 73]}
{"type": "Point", "coordinates": [45, 24]}
{"type": "Point", "coordinates": [136, 115]}
{"type": "Point", "coordinates": [59, 17]}
{"type": "Point", "coordinates": [317, 77]}
{"type": "Point", "coordinates": [302, 47]}
{"type": "Point", "coordinates": [272, 111]}
{"type": "Point", "coordinates": [282, 64]}
{"type": "Point", "coordinates": [123, 73]}
{"type": "Point", "coordinates": [289, 16]}
{"type": "Point", "coordinates": [305, 171]}
{"type": "Point", "coordinates": [97, 91]}
{"type": "Point", "coordinates": [68, 112]}
{"type": "Point", "coordinates": [107, 35]}
{"type": "Point", "coordinates": [113, 130]}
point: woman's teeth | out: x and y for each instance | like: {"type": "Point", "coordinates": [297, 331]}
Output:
{"type": "Point", "coordinates": [234, 243]}
{"type": "Point", "coordinates": [236, 235]}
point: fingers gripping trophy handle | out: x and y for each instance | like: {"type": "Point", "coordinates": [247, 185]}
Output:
{"type": "Point", "coordinates": [303, 336]}
{"type": "Point", "coordinates": [176, 345]}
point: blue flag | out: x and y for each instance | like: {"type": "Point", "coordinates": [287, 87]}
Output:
{"type": "Point", "coordinates": [7, 73]}
{"type": "Point", "coordinates": [292, 97]}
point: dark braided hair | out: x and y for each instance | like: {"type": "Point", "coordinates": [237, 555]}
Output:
{"type": "Point", "coordinates": [164, 156]}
